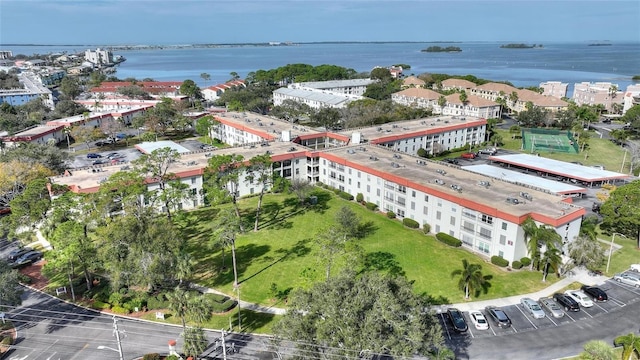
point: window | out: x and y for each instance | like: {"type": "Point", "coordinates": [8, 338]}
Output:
{"type": "Point", "coordinates": [452, 233]}
{"type": "Point", "coordinates": [194, 192]}
{"type": "Point", "coordinates": [504, 225]}
{"type": "Point", "coordinates": [452, 221]}
{"type": "Point", "coordinates": [413, 205]}
{"type": "Point", "coordinates": [426, 198]}
{"type": "Point", "coordinates": [378, 192]}
{"type": "Point", "coordinates": [501, 254]}
{"type": "Point", "coordinates": [425, 210]}
{"type": "Point", "coordinates": [486, 219]}
{"type": "Point", "coordinates": [402, 189]}
{"type": "Point", "coordinates": [368, 188]}
{"type": "Point", "coordinates": [454, 209]}
{"type": "Point", "coordinates": [438, 215]}
{"type": "Point", "coordinates": [439, 202]}
{"type": "Point", "coordinates": [484, 247]}
{"type": "Point", "coordinates": [510, 243]}
{"type": "Point", "coordinates": [193, 181]}
{"type": "Point", "coordinates": [413, 193]}
{"type": "Point", "coordinates": [503, 239]}
{"type": "Point", "coordinates": [400, 212]}
{"type": "Point", "coordinates": [485, 233]}
{"type": "Point", "coordinates": [468, 226]}
{"type": "Point", "coordinates": [437, 229]}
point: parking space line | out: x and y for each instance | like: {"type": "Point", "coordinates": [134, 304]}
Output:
{"type": "Point", "coordinates": [586, 312]}
{"type": "Point", "coordinates": [526, 317]}
{"type": "Point", "coordinates": [618, 302]}
{"type": "Point", "coordinates": [549, 317]}
{"type": "Point", "coordinates": [470, 333]}
{"type": "Point", "coordinates": [567, 314]}
{"type": "Point", "coordinates": [596, 304]}
{"type": "Point", "coordinates": [514, 329]}
{"type": "Point", "coordinates": [444, 323]}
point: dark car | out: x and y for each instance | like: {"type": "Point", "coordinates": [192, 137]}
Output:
{"type": "Point", "coordinates": [17, 253]}
{"type": "Point", "coordinates": [498, 316]}
{"type": "Point", "coordinates": [27, 259]}
{"type": "Point", "coordinates": [93, 156]}
{"type": "Point", "coordinates": [457, 320]}
{"type": "Point", "coordinates": [99, 162]}
{"type": "Point", "coordinates": [451, 161]}
{"type": "Point", "coordinates": [596, 293]}
{"type": "Point", "coordinates": [566, 302]}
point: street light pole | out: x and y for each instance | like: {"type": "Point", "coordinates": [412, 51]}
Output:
{"type": "Point", "coordinates": [613, 237]}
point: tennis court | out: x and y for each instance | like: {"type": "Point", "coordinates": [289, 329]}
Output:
{"type": "Point", "coordinates": [548, 140]}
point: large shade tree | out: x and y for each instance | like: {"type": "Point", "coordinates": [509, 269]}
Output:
{"type": "Point", "coordinates": [621, 212]}
{"type": "Point", "coordinates": [349, 315]}
{"type": "Point", "coordinates": [11, 291]}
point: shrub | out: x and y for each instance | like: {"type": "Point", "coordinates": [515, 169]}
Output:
{"type": "Point", "coordinates": [153, 356]}
{"type": "Point", "coordinates": [116, 299]}
{"type": "Point", "coordinates": [426, 228]}
{"type": "Point", "coordinates": [525, 261]}
{"type": "Point", "coordinates": [24, 279]}
{"type": "Point", "coordinates": [119, 310]}
{"type": "Point", "coordinates": [100, 305]}
{"type": "Point", "coordinates": [172, 357]}
{"type": "Point", "coordinates": [371, 206]}
{"type": "Point", "coordinates": [410, 223]}
{"type": "Point", "coordinates": [391, 215]}
{"type": "Point", "coordinates": [337, 191]}
{"type": "Point", "coordinates": [448, 239]}
{"type": "Point", "coordinates": [157, 302]}
{"type": "Point", "coordinates": [422, 152]}
{"type": "Point", "coordinates": [345, 195]}
{"type": "Point", "coordinates": [516, 264]}
{"type": "Point", "coordinates": [221, 303]}
{"type": "Point", "coordinates": [498, 260]}
{"type": "Point", "coordinates": [6, 341]}
{"type": "Point", "coordinates": [359, 197]}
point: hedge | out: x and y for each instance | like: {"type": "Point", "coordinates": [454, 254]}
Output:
{"type": "Point", "coordinates": [371, 206]}
{"type": "Point", "coordinates": [153, 356]}
{"type": "Point", "coordinates": [500, 261]}
{"type": "Point", "coordinates": [100, 305]}
{"type": "Point", "coordinates": [410, 223]}
{"type": "Point", "coordinates": [426, 228]}
{"type": "Point", "coordinates": [345, 195]}
{"type": "Point", "coordinates": [157, 302]}
{"type": "Point", "coordinates": [6, 341]}
{"type": "Point", "coordinates": [448, 239]}
{"type": "Point", "coordinates": [525, 261]}
{"type": "Point", "coordinates": [220, 303]}
{"type": "Point", "coordinates": [359, 197]}
{"type": "Point", "coordinates": [119, 310]}
{"type": "Point", "coordinates": [516, 264]}
{"type": "Point", "coordinates": [391, 215]}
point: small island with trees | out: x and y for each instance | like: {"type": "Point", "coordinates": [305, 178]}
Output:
{"type": "Point", "coordinates": [442, 49]}
{"type": "Point", "coordinates": [520, 46]}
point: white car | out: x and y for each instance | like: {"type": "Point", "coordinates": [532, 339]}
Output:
{"type": "Point", "coordinates": [478, 320]}
{"type": "Point", "coordinates": [533, 308]}
{"type": "Point", "coordinates": [627, 278]}
{"type": "Point", "coordinates": [635, 267]}
{"type": "Point", "coordinates": [580, 297]}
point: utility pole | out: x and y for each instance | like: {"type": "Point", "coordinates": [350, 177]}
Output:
{"type": "Point", "coordinates": [117, 334]}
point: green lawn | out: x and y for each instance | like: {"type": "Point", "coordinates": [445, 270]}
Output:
{"type": "Point", "coordinates": [599, 152]}
{"type": "Point", "coordinates": [622, 258]}
{"type": "Point", "coordinates": [284, 247]}
{"type": "Point", "coordinates": [252, 322]}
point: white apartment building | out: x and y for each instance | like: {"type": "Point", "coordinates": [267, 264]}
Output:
{"type": "Point", "coordinates": [316, 99]}
{"type": "Point", "coordinates": [418, 97]}
{"type": "Point", "coordinates": [631, 98]}
{"type": "Point", "coordinates": [474, 106]}
{"type": "Point", "coordinates": [349, 87]}
{"type": "Point", "coordinates": [556, 89]}
{"type": "Point", "coordinates": [98, 56]}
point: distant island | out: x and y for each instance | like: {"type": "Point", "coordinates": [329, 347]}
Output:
{"type": "Point", "coordinates": [636, 78]}
{"type": "Point", "coordinates": [600, 44]}
{"type": "Point", "coordinates": [442, 49]}
{"type": "Point", "coordinates": [520, 46]}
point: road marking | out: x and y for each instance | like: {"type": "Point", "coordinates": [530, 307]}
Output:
{"type": "Point", "coordinates": [526, 317]}
{"type": "Point", "coordinates": [567, 313]}
{"type": "Point", "coordinates": [549, 317]}
{"type": "Point", "coordinates": [50, 357]}
{"type": "Point", "coordinates": [618, 302]}
{"type": "Point", "coordinates": [584, 310]}
{"type": "Point", "coordinates": [470, 331]}
{"type": "Point", "coordinates": [596, 304]}
{"type": "Point", "coordinates": [514, 329]}
{"type": "Point", "coordinates": [79, 351]}
{"type": "Point", "coordinates": [494, 333]}
{"type": "Point", "coordinates": [444, 323]}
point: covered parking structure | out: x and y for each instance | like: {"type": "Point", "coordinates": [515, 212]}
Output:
{"type": "Point", "coordinates": [515, 177]}
{"type": "Point", "coordinates": [558, 170]}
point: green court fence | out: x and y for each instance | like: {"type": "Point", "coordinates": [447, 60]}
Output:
{"type": "Point", "coordinates": [549, 140]}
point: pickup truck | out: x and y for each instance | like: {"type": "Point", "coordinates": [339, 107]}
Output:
{"type": "Point", "coordinates": [468, 156]}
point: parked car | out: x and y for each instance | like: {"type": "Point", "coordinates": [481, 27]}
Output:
{"type": "Point", "coordinates": [533, 308]}
{"type": "Point", "coordinates": [488, 151]}
{"type": "Point", "coordinates": [566, 302]}
{"type": "Point", "coordinates": [451, 161]}
{"type": "Point", "coordinates": [498, 316]}
{"type": "Point", "coordinates": [551, 306]}
{"type": "Point", "coordinates": [93, 156]}
{"type": "Point", "coordinates": [629, 279]}
{"type": "Point", "coordinates": [468, 156]}
{"type": "Point", "coordinates": [478, 320]}
{"type": "Point", "coordinates": [635, 267]}
{"type": "Point", "coordinates": [113, 155]}
{"type": "Point", "coordinates": [27, 259]}
{"type": "Point", "coordinates": [596, 293]}
{"type": "Point", "coordinates": [17, 253]}
{"type": "Point", "coordinates": [99, 162]}
{"type": "Point", "coordinates": [457, 320]}
{"type": "Point", "coordinates": [580, 297]}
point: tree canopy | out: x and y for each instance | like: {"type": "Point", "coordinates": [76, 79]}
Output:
{"type": "Point", "coordinates": [621, 212]}
{"type": "Point", "coordinates": [350, 314]}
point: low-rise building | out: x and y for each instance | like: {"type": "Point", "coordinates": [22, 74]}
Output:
{"type": "Point", "coordinates": [474, 106]}
{"type": "Point", "coordinates": [603, 93]}
{"type": "Point", "coordinates": [316, 99]}
{"type": "Point", "coordinates": [418, 97]}
{"type": "Point", "coordinates": [631, 97]}
{"type": "Point", "coordinates": [349, 87]}
{"type": "Point", "coordinates": [457, 84]}
{"type": "Point", "coordinates": [556, 89]}
{"type": "Point", "coordinates": [412, 82]}
{"type": "Point", "coordinates": [213, 93]}
{"type": "Point", "coordinates": [38, 134]}
{"type": "Point", "coordinates": [32, 90]}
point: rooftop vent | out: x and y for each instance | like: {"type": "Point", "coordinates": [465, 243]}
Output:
{"type": "Point", "coordinates": [351, 151]}
{"type": "Point", "coordinates": [292, 148]}
{"type": "Point", "coordinates": [513, 201]}
{"type": "Point", "coordinates": [526, 196]}
{"type": "Point", "coordinates": [485, 184]}
{"type": "Point", "coordinates": [439, 182]}
{"type": "Point", "coordinates": [457, 188]}
{"type": "Point", "coordinates": [441, 172]}
{"type": "Point", "coordinates": [395, 165]}
{"type": "Point", "coordinates": [374, 158]}
{"type": "Point", "coordinates": [397, 156]}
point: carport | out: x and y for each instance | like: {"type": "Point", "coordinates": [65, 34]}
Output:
{"type": "Point", "coordinates": [558, 170]}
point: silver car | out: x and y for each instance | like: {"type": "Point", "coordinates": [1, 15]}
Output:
{"type": "Point", "coordinates": [629, 279]}
{"type": "Point", "coordinates": [533, 308]}
{"type": "Point", "coordinates": [551, 306]}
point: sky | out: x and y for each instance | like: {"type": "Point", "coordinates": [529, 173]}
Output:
{"type": "Point", "coordinates": [136, 22]}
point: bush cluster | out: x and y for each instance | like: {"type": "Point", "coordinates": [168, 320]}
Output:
{"type": "Point", "coordinates": [153, 356]}
{"type": "Point", "coordinates": [220, 303]}
{"type": "Point", "coordinates": [157, 302]}
{"type": "Point", "coordinates": [525, 261]}
{"type": "Point", "coordinates": [119, 310]}
{"type": "Point", "coordinates": [371, 206]}
{"type": "Point", "coordinates": [516, 264]}
{"type": "Point", "coordinates": [345, 195]}
{"type": "Point", "coordinates": [391, 215]}
{"type": "Point", "coordinates": [359, 197]}
{"type": "Point", "coordinates": [500, 261]}
{"type": "Point", "coordinates": [97, 304]}
{"type": "Point", "coordinates": [410, 223]}
{"type": "Point", "coordinates": [426, 228]}
{"type": "Point", "coordinates": [448, 239]}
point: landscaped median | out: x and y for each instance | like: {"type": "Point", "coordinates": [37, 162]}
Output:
{"type": "Point", "coordinates": [7, 336]}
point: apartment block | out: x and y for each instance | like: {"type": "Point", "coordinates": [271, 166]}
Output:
{"type": "Point", "coordinates": [603, 93]}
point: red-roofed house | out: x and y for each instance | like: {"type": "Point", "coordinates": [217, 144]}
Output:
{"type": "Point", "coordinates": [159, 88]}
{"type": "Point", "coordinates": [417, 97]}
{"type": "Point", "coordinates": [474, 106]}
{"type": "Point", "coordinates": [212, 93]}
{"type": "Point", "coordinates": [457, 84]}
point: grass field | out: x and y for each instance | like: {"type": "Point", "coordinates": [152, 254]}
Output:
{"type": "Point", "coordinates": [284, 253]}
{"type": "Point", "coordinates": [599, 152]}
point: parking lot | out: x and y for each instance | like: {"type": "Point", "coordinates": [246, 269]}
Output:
{"type": "Point", "coordinates": [620, 295]}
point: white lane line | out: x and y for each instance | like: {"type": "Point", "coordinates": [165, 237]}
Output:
{"type": "Point", "coordinates": [549, 317]}
{"type": "Point", "coordinates": [526, 317]}
{"type": "Point", "coordinates": [603, 309]}
{"type": "Point", "coordinates": [585, 311]}
{"type": "Point", "coordinates": [567, 313]}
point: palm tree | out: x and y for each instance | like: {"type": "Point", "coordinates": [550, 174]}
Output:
{"type": "Point", "coordinates": [227, 227]}
{"type": "Point", "coordinates": [186, 306]}
{"type": "Point", "coordinates": [551, 260]}
{"type": "Point", "coordinates": [529, 227]}
{"type": "Point", "coordinates": [206, 77]}
{"type": "Point", "coordinates": [442, 102]}
{"type": "Point", "coordinates": [630, 344]}
{"type": "Point", "coordinates": [471, 278]}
